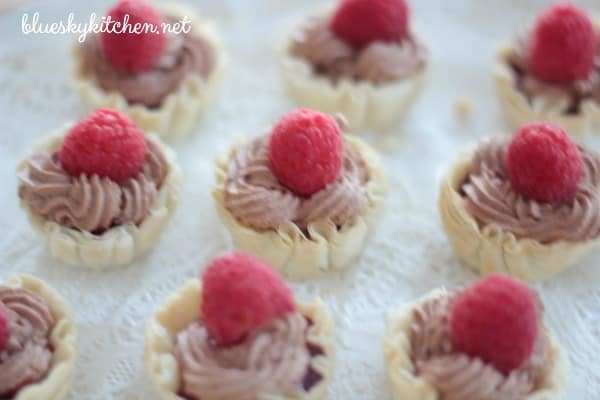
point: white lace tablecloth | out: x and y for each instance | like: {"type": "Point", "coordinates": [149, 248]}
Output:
{"type": "Point", "coordinates": [408, 256]}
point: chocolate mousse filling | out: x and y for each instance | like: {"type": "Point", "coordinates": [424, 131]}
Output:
{"type": "Point", "coordinates": [378, 63]}
{"type": "Point", "coordinates": [275, 360]}
{"type": "Point", "coordinates": [185, 55]}
{"type": "Point", "coordinates": [531, 87]}
{"type": "Point", "coordinates": [256, 199]}
{"type": "Point", "coordinates": [90, 204]}
{"type": "Point", "coordinates": [28, 355]}
{"type": "Point", "coordinates": [490, 198]}
{"type": "Point", "coordinates": [458, 376]}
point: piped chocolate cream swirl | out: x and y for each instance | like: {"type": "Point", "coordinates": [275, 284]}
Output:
{"type": "Point", "coordinates": [457, 376]}
{"type": "Point", "coordinates": [379, 62]}
{"type": "Point", "coordinates": [490, 198]}
{"type": "Point", "coordinates": [273, 360]}
{"type": "Point", "coordinates": [90, 204]}
{"type": "Point", "coordinates": [185, 55]}
{"type": "Point", "coordinates": [256, 199]}
{"type": "Point", "coordinates": [28, 354]}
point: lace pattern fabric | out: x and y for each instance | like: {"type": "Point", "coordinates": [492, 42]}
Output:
{"type": "Point", "coordinates": [407, 256]}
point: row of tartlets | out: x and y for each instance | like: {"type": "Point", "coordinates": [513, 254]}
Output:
{"type": "Point", "coordinates": [369, 69]}
{"type": "Point", "coordinates": [303, 198]}
{"type": "Point", "coordinates": [238, 333]}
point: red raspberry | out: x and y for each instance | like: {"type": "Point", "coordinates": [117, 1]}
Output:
{"type": "Point", "coordinates": [496, 320]}
{"type": "Point", "coordinates": [562, 45]}
{"type": "Point", "coordinates": [306, 151]}
{"type": "Point", "coordinates": [134, 50]}
{"type": "Point", "coordinates": [360, 22]}
{"type": "Point", "coordinates": [4, 327]}
{"type": "Point", "coordinates": [239, 295]}
{"type": "Point", "coordinates": [543, 163]}
{"type": "Point", "coordinates": [106, 143]}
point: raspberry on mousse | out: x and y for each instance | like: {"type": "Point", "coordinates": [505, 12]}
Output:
{"type": "Point", "coordinates": [107, 144]}
{"type": "Point", "coordinates": [134, 52]}
{"type": "Point", "coordinates": [240, 295]}
{"type": "Point", "coordinates": [240, 334]}
{"type": "Point", "coordinates": [563, 45]}
{"type": "Point", "coordinates": [306, 151]}
{"type": "Point", "coordinates": [484, 342]}
{"type": "Point", "coordinates": [495, 320]}
{"type": "Point", "coordinates": [362, 22]}
{"type": "Point", "coordinates": [544, 164]}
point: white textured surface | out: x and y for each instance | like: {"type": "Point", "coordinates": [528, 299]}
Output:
{"type": "Point", "coordinates": [407, 257]}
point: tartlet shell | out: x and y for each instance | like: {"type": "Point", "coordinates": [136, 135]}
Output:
{"type": "Point", "coordinates": [183, 308]}
{"type": "Point", "coordinates": [120, 245]}
{"type": "Point", "coordinates": [288, 249]}
{"type": "Point", "coordinates": [518, 110]}
{"type": "Point", "coordinates": [180, 110]}
{"type": "Point", "coordinates": [366, 105]}
{"type": "Point", "coordinates": [57, 384]}
{"type": "Point", "coordinates": [488, 249]}
{"type": "Point", "coordinates": [406, 385]}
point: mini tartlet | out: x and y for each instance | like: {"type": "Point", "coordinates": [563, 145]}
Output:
{"type": "Point", "coordinates": [531, 216]}
{"type": "Point", "coordinates": [552, 73]}
{"type": "Point", "coordinates": [87, 216]}
{"type": "Point", "coordinates": [165, 95]}
{"type": "Point", "coordinates": [270, 215]}
{"type": "Point", "coordinates": [342, 62]}
{"type": "Point", "coordinates": [239, 334]}
{"type": "Point", "coordinates": [37, 359]}
{"type": "Point", "coordinates": [485, 342]}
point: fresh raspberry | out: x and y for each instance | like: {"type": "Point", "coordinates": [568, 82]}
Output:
{"type": "Point", "coordinates": [562, 45]}
{"type": "Point", "coordinates": [4, 327]}
{"type": "Point", "coordinates": [543, 163]}
{"type": "Point", "coordinates": [239, 295]}
{"type": "Point", "coordinates": [106, 143]}
{"type": "Point", "coordinates": [306, 151]}
{"type": "Point", "coordinates": [360, 22]}
{"type": "Point", "coordinates": [496, 320]}
{"type": "Point", "coordinates": [134, 50]}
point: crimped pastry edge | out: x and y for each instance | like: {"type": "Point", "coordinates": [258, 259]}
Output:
{"type": "Point", "coordinates": [490, 249]}
{"type": "Point", "coordinates": [180, 110]}
{"type": "Point", "coordinates": [367, 106]}
{"type": "Point", "coordinates": [183, 308]}
{"type": "Point", "coordinates": [57, 384]}
{"type": "Point", "coordinates": [120, 245]}
{"type": "Point", "coordinates": [288, 249]}
{"type": "Point", "coordinates": [518, 110]}
{"type": "Point", "coordinates": [406, 385]}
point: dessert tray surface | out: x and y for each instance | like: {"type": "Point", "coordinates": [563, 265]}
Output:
{"type": "Point", "coordinates": [408, 254]}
